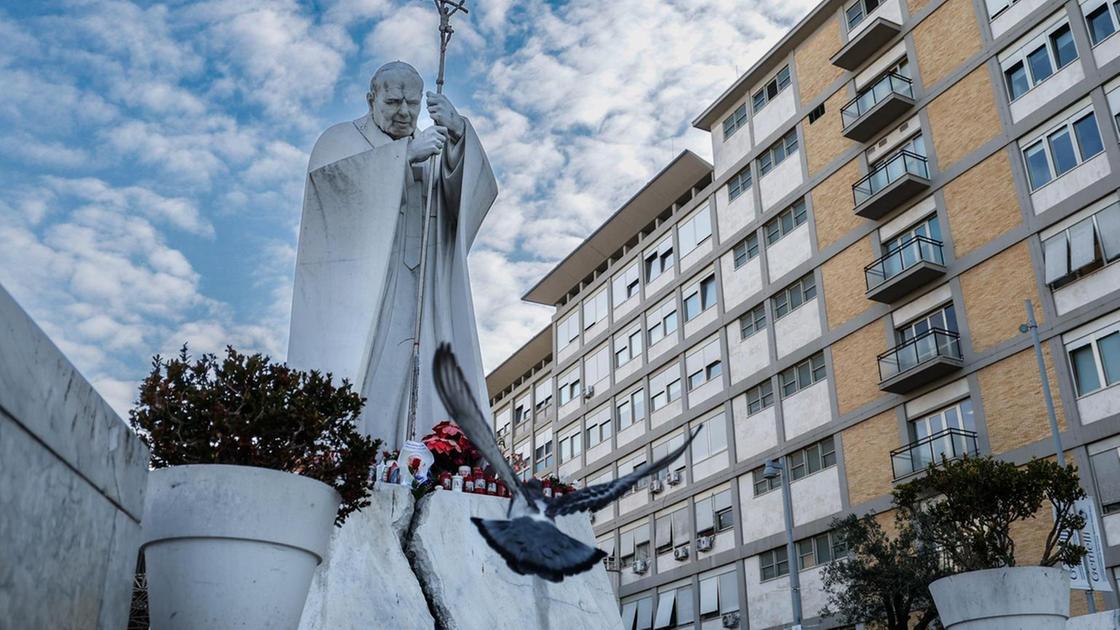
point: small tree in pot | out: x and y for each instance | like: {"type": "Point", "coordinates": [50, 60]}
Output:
{"type": "Point", "coordinates": [230, 535]}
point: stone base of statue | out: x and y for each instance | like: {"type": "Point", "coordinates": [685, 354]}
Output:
{"type": "Point", "coordinates": [366, 581]}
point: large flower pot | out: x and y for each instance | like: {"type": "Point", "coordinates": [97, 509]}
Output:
{"type": "Point", "coordinates": [1011, 598]}
{"type": "Point", "coordinates": [232, 546]}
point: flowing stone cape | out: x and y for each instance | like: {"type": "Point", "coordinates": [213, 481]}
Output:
{"type": "Point", "coordinates": [347, 263]}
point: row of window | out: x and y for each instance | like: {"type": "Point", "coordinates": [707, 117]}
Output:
{"type": "Point", "coordinates": [819, 549]}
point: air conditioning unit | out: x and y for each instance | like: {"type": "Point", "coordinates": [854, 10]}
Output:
{"type": "Point", "coordinates": [640, 566]}
{"type": "Point", "coordinates": [673, 478]}
{"type": "Point", "coordinates": [705, 543]}
{"type": "Point", "coordinates": [589, 392]}
{"type": "Point", "coordinates": [730, 620]}
{"type": "Point", "coordinates": [681, 553]}
{"type": "Point", "coordinates": [655, 486]}
{"type": "Point", "coordinates": [610, 563]}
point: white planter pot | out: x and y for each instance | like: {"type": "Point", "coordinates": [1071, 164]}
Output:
{"type": "Point", "coordinates": [232, 546]}
{"type": "Point", "coordinates": [1011, 598]}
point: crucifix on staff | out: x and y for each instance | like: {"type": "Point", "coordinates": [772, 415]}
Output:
{"type": "Point", "coordinates": [390, 213]}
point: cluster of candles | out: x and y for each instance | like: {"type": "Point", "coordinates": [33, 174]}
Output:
{"type": "Point", "coordinates": [477, 481]}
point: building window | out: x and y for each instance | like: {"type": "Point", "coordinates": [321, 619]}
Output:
{"type": "Point", "coordinates": [570, 387]}
{"type": "Point", "coordinates": [631, 408]}
{"type": "Point", "coordinates": [859, 10]}
{"type": "Point", "coordinates": [786, 221]}
{"type": "Point", "coordinates": [542, 456]}
{"type": "Point", "coordinates": [816, 113]}
{"type": "Point", "coordinates": [752, 321]}
{"type": "Point", "coordinates": [695, 230]}
{"type": "Point", "coordinates": [820, 549]}
{"type": "Point", "coordinates": [595, 309]}
{"type": "Point", "coordinates": [1102, 17]}
{"type": "Point", "coordinates": [739, 183]}
{"type": "Point", "coordinates": [567, 330]}
{"type": "Point", "coordinates": [628, 347]}
{"type": "Point", "coordinates": [1038, 60]}
{"type": "Point", "coordinates": [571, 446]}
{"type": "Point", "coordinates": [1106, 472]}
{"type": "Point", "coordinates": [771, 90]}
{"type": "Point", "coordinates": [660, 259]}
{"type": "Point", "coordinates": [674, 608]}
{"type": "Point", "coordinates": [736, 121]}
{"type": "Point", "coordinates": [719, 595]}
{"type": "Point", "coordinates": [1070, 143]}
{"type": "Point", "coordinates": [778, 152]}
{"type": "Point", "coordinates": [811, 459]}
{"type": "Point", "coordinates": [662, 321]}
{"type": "Point", "coordinates": [714, 513]}
{"type": "Point", "coordinates": [802, 375]}
{"type": "Point", "coordinates": [712, 439]}
{"type": "Point", "coordinates": [598, 429]}
{"type": "Point", "coordinates": [700, 298]}
{"type": "Point", "coordinates": [664, 388]}
{"type": "Point", "coordinates": [597, 367]}
{"type": "Point", "coordinates": [996, 7]}
{"type": "Point", "coordinates": [704, 364]}
{"type": "Point", "coordinates": [773, 564]}
{"type": "Point", "coordinates": [625, 285]}
{"type": "Point", "coordinates": [662, 450]}
{"type": "Point", "coordinates": [670, 529]}
{"type": "Point", "coordinates": [542, 394]}
{"type": "Point", "coordinates": [793, 296]}
{"type": "Point", "coordinates": [501, 426]}
{"type": "Point", "coordinates": [1083, 247]}
{"type": "Point", "coordinates": [745, 249]}
{"type": "Point", "coordinates": [944, 318]}
{"type": "Point", "coordinates": [760, 397]}
{"type": "Point", "coordinates": [1095, 359]}
{"type": "Point", "coordinates": [762, 485]}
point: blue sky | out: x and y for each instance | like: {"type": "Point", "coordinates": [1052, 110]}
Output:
{"type": "Point", "coordinates": [152, 156]}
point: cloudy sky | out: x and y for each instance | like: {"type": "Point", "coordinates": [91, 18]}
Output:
{"type": "Point", "coordinates": [152, 156]}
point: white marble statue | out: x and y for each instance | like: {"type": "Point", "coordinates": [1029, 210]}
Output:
{"type": "Point", "coordinates": [358, 264]}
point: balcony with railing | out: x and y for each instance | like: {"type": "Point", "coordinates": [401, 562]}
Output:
{"type": "Point", "coordinates": [920, 360]}
{"type": "Point", "coordinates": [898, 179]}
{"type": "Point", "coordinates": [914, 263]}
{"type": "Point", "coordinates": [864, 43]}
{"type": "Point", "coordinates": [932, 450]}
{"type": "Point", "coordinates": [876, 106]}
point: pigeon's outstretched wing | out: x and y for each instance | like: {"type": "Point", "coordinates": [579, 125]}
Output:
{"type": "Point", "coordinates": [534, 546]}
{"type": "Point", "coordinates": [460, 403]}
{"type": "Point", "coordinates": [598, 496]}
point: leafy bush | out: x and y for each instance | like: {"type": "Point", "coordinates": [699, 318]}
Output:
{"type": "Point", "coordinates": [246, 411]}
{"type": "Point", "coordinates": [966, 508]}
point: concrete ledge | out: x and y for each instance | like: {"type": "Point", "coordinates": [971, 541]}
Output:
{"type": "Point", "coordinates": [1108, 620]}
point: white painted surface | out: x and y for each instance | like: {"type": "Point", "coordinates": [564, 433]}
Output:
{"type": "Point", "coordinates": [1112, 529]}
{"type": "Point", "coordinates": [891, 9]}
{"type": "Point", "coordinates": [1107, 620]}
{"type": "Point", "coordinates": [776, 113]}
{"type": "Point", "coordinates": [1079, 177]}
{"type": "Point", "coordinates": [633, 500]}
{"type": "Point", "coordinates": [1054, 86]}
{"type": "Point", "coordinates": [726, 152]}
{"type": "Point", "coordinates": [814, 496]}
{"type": "Point", "coordinates": [806, 410]}
{"type": "Point", "coordinates": [1099, 405]}
{"type": "Point", "coordinates": [666, 413]}
{"type": "Point", "coordinates": [1025, 598]}
{"type": "Point", "coordinates": [762, 515]}
{"type": "Point", "coordinates": [937, 398]}
{"type": "Point", "coordinates": [1087, 289]}
{"type": "Point", "coordinates": [724, 541]}
{"type": "Point", "coordinates": [896, 136]}
{"type": "Point", "coordinates": [666, 344]}
{"type": "Point", "coordinates": [705, 392]}
{"type": "Point", "coordinates": [1013, 15]}
{"type": "Point", "coordinates": [697, 254]}
{"type": "Point", "coordinates": [596, 329]}
{"type": "Point", "coordinates": [754, 434]}
{"type": "Point", "coordinates": [921, 305]}
{"type": "Point", "coordinates": [568, 350]}
{"type": "Point", "coordinates": [781, 180]}
{"type": "Point", "coordinates": [627, 369]}
{"type": "Point", "coordinates": [888, 58]}
{"type": "Point", "coordinates": [742, 283]}
{"type": "Point", "coordinates": [798, 327]}
{"type": "Point", "coordinates": [631, 433]}
{"type": "Point", "coordinates": [789, 252]}
{"type": "Point", "coordinates": [599, 451]}
{"type": "Point", "coordinates": [709, 466]}
{"type": "Point", "coordinates": [918, 211]}
{"type": "Point", "coordinates": [732, 216]}
{"type": "Point", "coordinates": [694, 325]}
{"type": "Point", "coordinates": [769, 602]}
{"type": "Point", "coordinates": [1107, 50]}
{"type": "Point", "coordinates": [664, 279]}
{"type": "Point", "coordinates": [569, 468]}
{"type": "Point", "coordinates": [746, 356]}
{"type": "Point", "coordinates": [624, 309]}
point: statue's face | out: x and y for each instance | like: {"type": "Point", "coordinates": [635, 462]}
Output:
{"type": "Point", "coordinates": [395, 104]}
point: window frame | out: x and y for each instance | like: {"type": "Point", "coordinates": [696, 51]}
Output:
{"type": "Point", "coordinates": [1092, 341]}
{"type": "Point", "coordinates": [745, 251]}
{"type": "Point", "coordinates": [804, 287]}
{"type": "Point", "coordinates": [762, 395]}
{"type": "Point", "coordinates": [739, 183]}
{"type": "Point", "coordinates": [752, 322]}
{"type": "Point", "coordinates": [772, 156]}
{"type": "Point", "coordinates": [795, 375]}
{"type": "Point", "coordinates": [738, 120]}
{"type": "Point", "coordinates": [1021, 57]}
{"type": "Point", "coordinates": [776, 229]}
{"type": "Point", "coordinates": [1111, 8]}
{"type": "Point", "coordinates": [777, 84]}
{"type": "Point", "coordinates": [1043, 141]}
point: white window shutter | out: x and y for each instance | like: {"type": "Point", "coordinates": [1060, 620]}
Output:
{"type": "Point", "coordinates": [1082, 245]}
{"type": "Point", "coordinates": [1056, 253]}
{"type": "Point", "coordinates": [1108, 222]}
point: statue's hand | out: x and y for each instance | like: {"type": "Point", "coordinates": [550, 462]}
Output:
{"type": "Point", "coordinates": [427, 143]}
{"type": "Point", "coordinates": [444, 114]}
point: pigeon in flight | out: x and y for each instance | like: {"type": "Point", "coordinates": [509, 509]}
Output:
{"type": "Point", "coordinates": [528, 538]}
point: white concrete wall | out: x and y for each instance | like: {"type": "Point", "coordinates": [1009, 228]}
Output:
{"type": "Point", "coordinates": [724, 541]}
{"type": "Point", "coordinates": [632, 500]}
{"type": "Point", "coordinates": [1087, 289]}
{"type": "Point", "coordinates": [630, 433]}
{"type": "Point", "coordinates": [814, 497]}
{"type": "Point", "coordinates": [1013, 15]}
{"type": "Point", "coordinates": [769, 602]}
{"type": "Point", "coordinates": [1054, 86]}
{"type": "Point", "coordinates": [664, 279]}
{"type": "Point", "coordinates": [705, 392]}
{"type": "Point", "coordinates": [789, 252]}
{"type": "Point", "coordinates": [781, 180]}
{"type": "Point", "coordinates": [1106, 51]}
{"type": "Point", "coordinates": [807, 409]}
{"type": "Point", "coordinates": [753, 434]}
{"type": "Point", "coordinates": [776, 113]}
{"type": "Point", "coordinates": [732, 216]}
{"type": "Point", "coordinates": [667, 413]}
{"type": "Point", "coordinates": [702, 320]}
{"type": "Point", "coordinates": [742, 283]}
{"type": "Point", "coordinates": [710, 466]}
{"type": "Point", "coordinates": [725, 153]}
{"type": "Point", "coordinates": [665, 345]}
{"type": "Point", "coordinates": [1112, 529]}
{"type": "Point", "coordinates": [746, 356]}
{"type": "Point", "coordinates": [798, 327]}
{"type": "Point", "coordinates": [761, 516]}
{"type": "Point", "coordinates": [891, 10]}
{"type": "Point", "coordinates": [1099, 405]}
{"type": "Point", "coordinates": [1078, 178]}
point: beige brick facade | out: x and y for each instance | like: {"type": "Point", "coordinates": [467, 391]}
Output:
{"type": "Point", "coordinates": [854, 366]}
{"type": "Point", "coordinates": [916, 5]}
{"type": "Point", "coordinates": [844, 283]}
{"type": "Point", "coordinates": [867, 460]}
{"type": "Point", "coordinates": [995, 288]}
{"type": "Point", "coordinates": [833, 205]}
{"type": "Point", "coordinates": [945, 40]}
{"type": "Point", "coordinates": [1012, 397]}
{"type": "Point", "coordinates": [814, 70]}
{"type": "Point", "coordinates": [823, 139]}
{"type": "Point", "coordinates": [964, 117]}
{"type": "Point", "coordinates": [981, 204]}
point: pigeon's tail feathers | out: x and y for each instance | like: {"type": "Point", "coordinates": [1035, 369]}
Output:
{"type": "Point", "coordinates": [536, 547]}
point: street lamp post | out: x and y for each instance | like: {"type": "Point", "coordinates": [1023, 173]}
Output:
{"type": "Point", "coordinates": [773, 470]}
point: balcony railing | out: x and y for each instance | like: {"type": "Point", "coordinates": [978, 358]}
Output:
{"type": "Point", "coordinates": [903, 163]}
{"type": "Point", "coordinates": [890, 88]}
{"type": "Point", "coordinates": [932, 450]}
{"type": "Point", "coordinates": [919, 360]}
{"type": "Point", "coordinates": [901, 266]}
